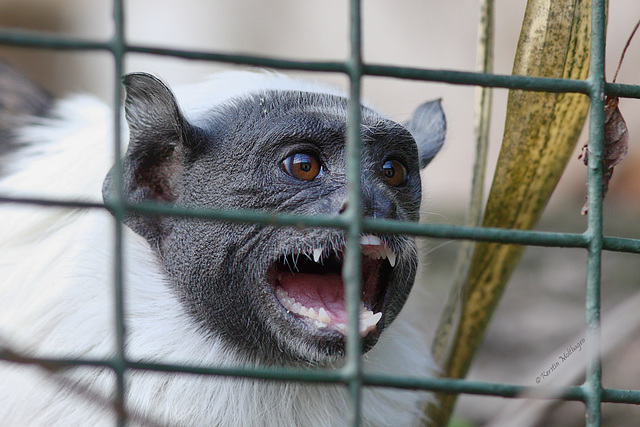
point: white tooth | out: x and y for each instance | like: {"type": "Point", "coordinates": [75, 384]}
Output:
{"type": "Point", "coordinates": [323, 316]}
{"type": "Point", "coordinates": [363, 329]}
{"type": "Point", "coordinates": [363, 309]}
{"type": "Point", "coordinates": [371, 321]}
{"type": "Point", "coordinates": [304, 311]}
{"type": "Point", "coordinates": [320, 325]}
{"type": "Point", "coordinates": [370, 239]}
{"type": "Point", "coordinates": [317, 253]}
{"type": "Point", "coordinates": [311, 313]}
{"type": "Point", "coordinates": [280, 293]}
{"type": "Point", "coordinates": [392, 257]}
{"type": "Point", "coordinates": [340, 327]}
{"type": "Point", "coordinates": [296, 307]}
{"type": "Point", "coordinates": [365, 315]}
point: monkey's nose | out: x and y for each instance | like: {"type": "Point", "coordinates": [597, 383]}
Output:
{"type": "Point", "coordinates": [374, 205]}
{"type": "Point", "coordinates": [377, 204]}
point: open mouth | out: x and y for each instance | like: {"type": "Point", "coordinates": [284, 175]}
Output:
{"type": "Point", "coordinates": [310, 286]}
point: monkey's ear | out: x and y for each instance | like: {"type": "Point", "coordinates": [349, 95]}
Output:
{"type": "Point", "coordinates": [428, 127]}
{"type": "Point", "coordinates": [160, 141]}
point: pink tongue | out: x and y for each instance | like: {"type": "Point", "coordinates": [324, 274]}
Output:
{"type": "Point", "coordinates": [317, 291]}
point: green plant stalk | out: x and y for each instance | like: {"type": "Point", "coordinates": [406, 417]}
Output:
{"type": "Point", "coordinates": [541, 131]}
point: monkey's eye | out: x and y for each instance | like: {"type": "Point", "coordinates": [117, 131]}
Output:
{"type": "Point", "coordinates": [302, 166]}
{"type": "Point", "coordinates": [394, 173]}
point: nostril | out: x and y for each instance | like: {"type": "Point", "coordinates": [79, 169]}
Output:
{"type": "Point", "coordinates": [343, 208]}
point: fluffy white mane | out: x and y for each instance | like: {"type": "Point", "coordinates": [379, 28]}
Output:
{"type": "Point", "coordinates": [56, 270]}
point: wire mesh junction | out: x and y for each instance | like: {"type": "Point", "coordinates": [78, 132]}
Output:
{"type": "Point", "coordinates": [591, 392]}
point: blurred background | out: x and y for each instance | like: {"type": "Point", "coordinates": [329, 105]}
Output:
{"type": "Point", "coordinates": [542, 312]}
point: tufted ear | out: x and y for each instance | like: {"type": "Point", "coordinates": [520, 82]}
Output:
{"type": "Point", "coordinates": [428, 127]}
{"type": "Point", "coordinates": [160, 141]}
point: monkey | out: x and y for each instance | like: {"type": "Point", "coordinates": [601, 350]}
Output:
{"type": "Point", "coordinates": [207, 292]}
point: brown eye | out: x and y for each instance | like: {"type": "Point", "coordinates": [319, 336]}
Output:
{"type": "Point", "coordinates": [394, 173]}
{"type": "Point", "coordinates": [302, 166]}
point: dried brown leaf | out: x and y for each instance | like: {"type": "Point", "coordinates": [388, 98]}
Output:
{"type": "Point", "coordinates": [616, 134]}
{"type": "Point", "coordinates": [616, 144]}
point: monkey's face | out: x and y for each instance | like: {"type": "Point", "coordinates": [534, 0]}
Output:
{"type": "Point", "coordinates": [275, 293]}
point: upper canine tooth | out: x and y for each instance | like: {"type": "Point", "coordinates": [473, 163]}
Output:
{"type": "Point", "coordinates": [317, 253]}
{"type": "Point", "coordinates": [392, 257]}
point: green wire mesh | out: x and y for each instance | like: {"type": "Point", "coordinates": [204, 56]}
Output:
{"type": "Point", "coordinates": [591, 392]}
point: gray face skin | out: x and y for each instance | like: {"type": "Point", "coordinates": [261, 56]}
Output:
{"type": "Point", "coordinates": [280, 151]}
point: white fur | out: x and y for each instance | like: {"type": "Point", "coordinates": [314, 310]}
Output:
{"type": "Point", "coordinates": [56, 274]}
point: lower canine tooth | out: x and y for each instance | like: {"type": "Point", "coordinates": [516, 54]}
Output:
{"type": "Point", "coordinates": [371, 321]}
{"type": "Point", "coordinates": [366, 314]}
{"type": "Point", "coordinates": [362, 328]}
{"type": "Point", "coordinates": [312, 313]}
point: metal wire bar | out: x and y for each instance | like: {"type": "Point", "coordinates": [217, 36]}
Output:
{"type": "Point", "coordinates": [351, 272]}
{"type": "Point", "coordinates": [572, 393]}
{"type": "Point", "coordinates": [622, 90]}
{"type": "Point", "coordinates": [438, 231]}
{"type": "Point", "coordinates": [119, 360]}
{"type": "Point", "coordinates": [593, 383]}
{"type": "Point", "coordinates": [42, 40]}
